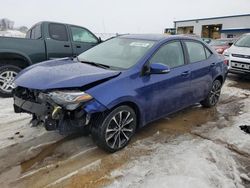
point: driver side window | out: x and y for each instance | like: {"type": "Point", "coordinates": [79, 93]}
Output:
{"type": "Point", "coordinates": [170, 54]}
{"type": "Point", "coordinates": [82, 35]}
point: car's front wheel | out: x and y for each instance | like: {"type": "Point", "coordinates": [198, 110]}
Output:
{"type": "Point", "coordinates": [7, 76]}
{"type": "Point", "coordinates": [113, 131]}
{"type": "Point", "coordinates": [213, 96]}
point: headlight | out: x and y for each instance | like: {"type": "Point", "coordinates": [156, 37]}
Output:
{"type": "Point", "coordinates": [67, 98]}
{"type": "Point", "coordinates": [226, 53]}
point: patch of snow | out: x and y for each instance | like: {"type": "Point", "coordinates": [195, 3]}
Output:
{"type": "Point", "coordinates": [229, 131]}
{"type": "Point", "coordinates": [12, 123]}
{"type": "Point", "coordinates": [182, 162]}
{"type": "Point", "coordinates": [7, 114]}
{"type": "Point", "coordinates": [233, 91]}
{"type": "Point", "coordinates": [91, 166]}
{"type": "Point", "coordinates": [12, 33]}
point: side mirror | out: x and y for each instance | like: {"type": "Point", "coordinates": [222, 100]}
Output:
{"type": "Point", "coordinates": [230, 43]}
{"type": "Point", "coordinates": [159, 68]}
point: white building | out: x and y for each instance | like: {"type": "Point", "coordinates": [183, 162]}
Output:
{"type": "Point", "coordinates": [217, 27]}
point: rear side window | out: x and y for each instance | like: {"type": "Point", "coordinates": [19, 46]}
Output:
{"type": "Point", "coordinates": [82, 35]}
{"type": "Point", "coordinates": [58, 32]}
{"type": "Point", "coordinates": [36, 32]}
{"type": "Point", "coordinates": [196, 51]}
{"type": "Point", "coordinates": [170, 54]}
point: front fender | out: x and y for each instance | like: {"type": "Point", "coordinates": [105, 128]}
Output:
{"type": "Point", "coordinates": [124, 99]}
{"type": "Point", "coordinates": [129, 100]}
{"type": "Point", "coordinates": [94, 106]}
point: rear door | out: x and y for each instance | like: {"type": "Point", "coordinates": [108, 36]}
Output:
{"type": "Point", "coordinates": [34, 45]}
{"type": "Point", "coordinates": [166, 93]}
{"type": "Point", "coordinates": [201, 66]}
{"type": "Point", "coordinates": [82, 39]}
{"type": "Point", "coordinates": [58, 42]}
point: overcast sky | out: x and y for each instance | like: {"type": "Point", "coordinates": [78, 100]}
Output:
{"type": "Point", "coordinates": [118, 16]}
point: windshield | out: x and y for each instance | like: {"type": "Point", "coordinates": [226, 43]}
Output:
{"type": "Point", "coordinates": [118, 53]}
{"type": "Point", "coordinates": [243, 41]}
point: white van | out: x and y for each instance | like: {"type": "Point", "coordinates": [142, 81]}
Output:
{"type": "Point", "coordinates": [238, 55]}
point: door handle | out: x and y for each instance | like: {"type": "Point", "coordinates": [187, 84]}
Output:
{"type": "Point", "coordinates": [66, 46]}
{"type": "Point", "coordinates": [212, 64]}
{"type": "Point", "coordinates": [78, 46]}
{"type": "Point", "coordinates": [186, 73]}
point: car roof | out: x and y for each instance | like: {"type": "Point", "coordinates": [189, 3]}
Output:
{"type": "Point", "coordinates": [52, 22]}
{"type": "Point", "coordinates": [157, 37]}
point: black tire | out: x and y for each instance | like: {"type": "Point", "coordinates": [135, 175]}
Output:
{"type": "Point", "coordinates": [85, 131]}
{"type": "Point", "coordinates": [7, 75]}
{"type": "Point", "coordinates": [112, 133]}
{"type": "Point", "coordinates": [213, 96]}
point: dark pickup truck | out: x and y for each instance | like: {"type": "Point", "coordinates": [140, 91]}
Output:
{"type": "Point", "coordinates": [44, 41]}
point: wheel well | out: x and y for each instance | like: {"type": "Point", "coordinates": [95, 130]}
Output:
{"type": "Point", "coordinates": [13, 59]}
{"type": "Point", "coordinates": [220, 78]}
{"type": "Point", "coordinates": [134, 107]}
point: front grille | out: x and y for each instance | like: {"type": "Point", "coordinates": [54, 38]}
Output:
{"type": "Point", "coordinates": [240, 62]}
{"type": "Point", "coordinates": [241, 69]}
{"type": "Point", "coordinates": [241, 56]}
{"type": "Point", "coordinates": [240, 66]}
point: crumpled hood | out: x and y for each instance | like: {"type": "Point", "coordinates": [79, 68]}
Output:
{"type": "Point", "coordinates": [62, 73]}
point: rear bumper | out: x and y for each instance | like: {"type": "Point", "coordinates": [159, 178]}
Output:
{"type": "Point", "coordinates": [21, 105]}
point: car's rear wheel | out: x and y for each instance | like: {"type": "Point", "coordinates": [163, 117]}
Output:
{"type": "Point", "coordinates": [7, 76]}
{"type": "Point", "coordinates": [113, 131]}
{"type": "Point", "coordinates": [213, 96]}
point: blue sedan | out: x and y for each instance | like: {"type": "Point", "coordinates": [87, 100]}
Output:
{"type": "Point", "coordinates": [119, 86]}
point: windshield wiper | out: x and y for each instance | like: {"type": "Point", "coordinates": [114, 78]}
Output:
{"type": "Point", "coordinates": [96, 64]}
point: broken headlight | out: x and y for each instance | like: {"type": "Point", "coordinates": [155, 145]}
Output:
{"type": "Point", "coordinates": [69, 99]}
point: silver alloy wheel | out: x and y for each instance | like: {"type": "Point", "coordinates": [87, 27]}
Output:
{"type": "Point", "coordinates": [119, 130]}
{"type": "Point", "coordinates": [6, 80]}
{"type": "Point", "coordinates": [215, 93]}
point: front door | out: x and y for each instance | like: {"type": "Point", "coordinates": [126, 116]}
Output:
{"type": "Point", "coordinates": [58, 44]}
{"type": "Point", "coordinates": [82, 39]}
{"type": "Point", "coordinates": [167, 93]}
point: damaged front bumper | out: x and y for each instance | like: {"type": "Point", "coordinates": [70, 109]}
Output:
{"type": "Point", "coordinates": [21, 105]}
{"type": "Point", "coordinates": [53, 116]}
